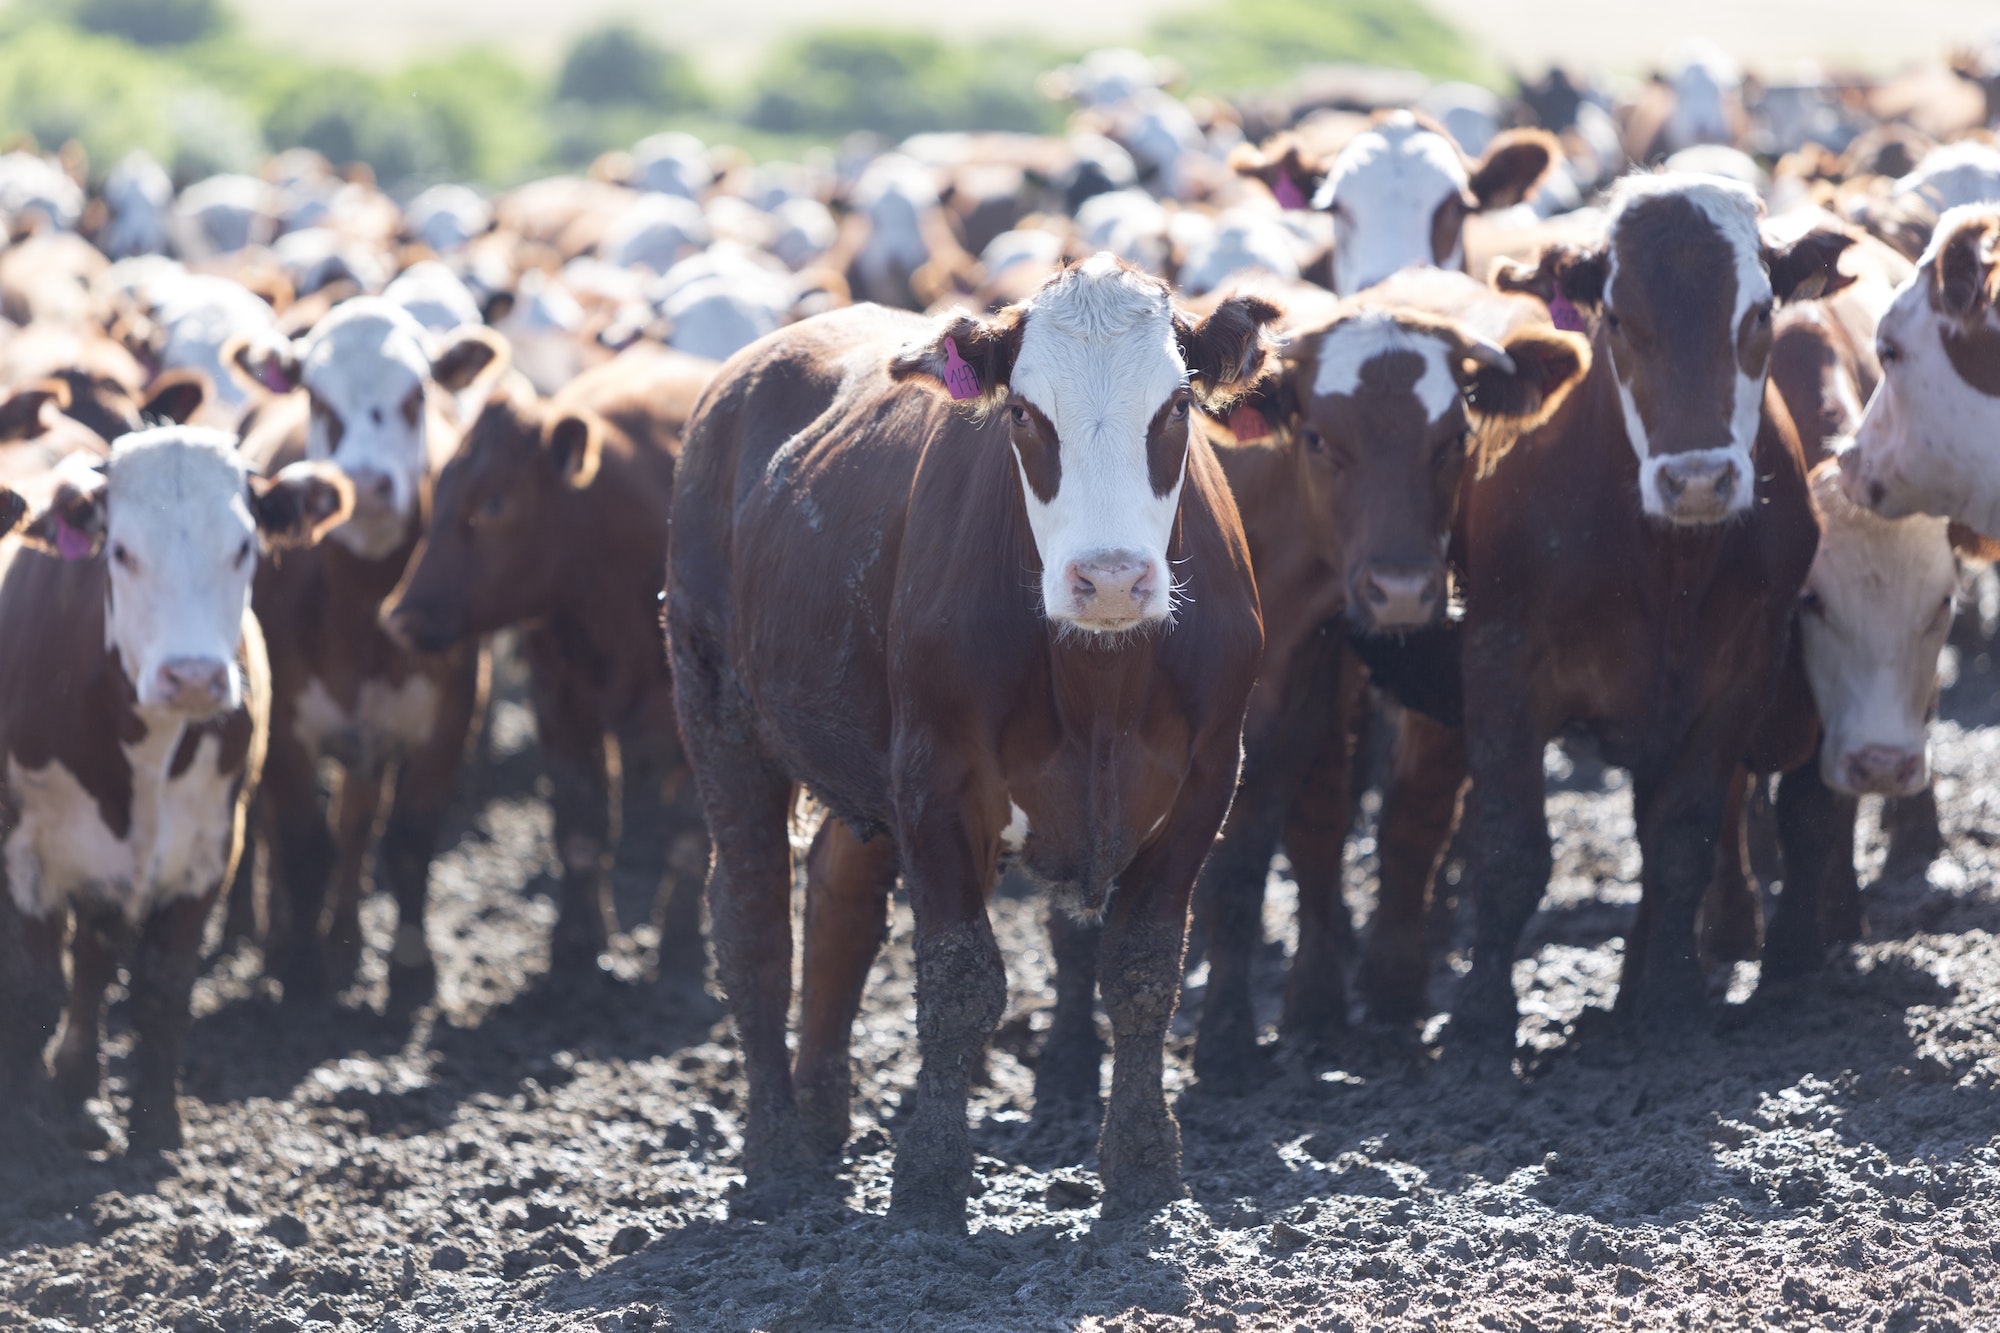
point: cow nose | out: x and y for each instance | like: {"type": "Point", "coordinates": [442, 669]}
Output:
{"type": "Point", "coordinates": [373, 487]}
{"type": "Point", "coordinates": [194, 684]}
{"type": "Point", "coordinates": [1400, 597]}
{"type": "Point", "coordinates": [411, 628]}
{"type": "Point", "coordinates": [1112, 590]}
{"type": "Point", "coordinates": [1883, 770]}
{"type": "Point", "coordinates": [1697, 489]}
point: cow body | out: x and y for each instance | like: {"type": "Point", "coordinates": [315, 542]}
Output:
{"type": "Point", "coordinates": [883, 649]}
{"type": "Point", "coordinates": [553, 516]}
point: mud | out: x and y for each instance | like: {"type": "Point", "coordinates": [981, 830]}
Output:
{"type": "Point", "coordinates": [528, 1158]}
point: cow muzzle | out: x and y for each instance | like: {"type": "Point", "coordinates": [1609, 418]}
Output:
{"type": "Point", "coordinates": [1386, 598]}
{"type": "Point", "coordinates": [199, 687]}
{"type": "Point", "coordinates": [1882, 770]}
{"type": "Point", "coordinates": [1703, 487]}
{"type": "Point", "coordinates": [414, 628]}
{"type": "Point", "coordinates": [1112, 591]}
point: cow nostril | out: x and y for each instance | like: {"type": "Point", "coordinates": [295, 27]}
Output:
{"type": "Point", "coordinates": [1877, 492]}
{"type": "Point", "coordinates": [1671, 485]}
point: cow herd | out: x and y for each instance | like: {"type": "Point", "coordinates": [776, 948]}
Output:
{"type": "Point", "coordinates": [1112, 506]}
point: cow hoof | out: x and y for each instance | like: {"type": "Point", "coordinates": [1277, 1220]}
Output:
{"type": "Point", "coordinates": [77, 1077]}
{"type": "Point", "coordinates": [933, 1173]}
{"type": "Point", "coordinates": [823, 1120]}
{"type": "Point", "coordinates": [765, 1201]}
{"type": "Point", "coordinates": [153, 1132]}
{"type": "Point", "coordinates": [1139, 1161]}
{"type": "Point", "coordinates": [573, 955]}
{"type": "Point", "coordinates": [343, 957]}
{"type": "Point", "coordinates": [86, 1132]}
{"type": "Point", "coordinates": [304, 979]}
{"type": "Point", "coordinates": [411, 985]}
{"type": "Point", "coordinates": [1233, 1070]}
{"type": "Point", "coordinates": [1069, 1072]}
{"type": "Point", "coordinates": [1784, 964]}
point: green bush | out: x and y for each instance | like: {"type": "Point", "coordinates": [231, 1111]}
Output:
{"type": "Point", "coordinates": [838, 80]}
{"type": "Point", "coordinates": [1238, 45]}
{"type": "Point", "coordinates": [152, 22]}
{"type": "Point", "coordinates": [618, 65]}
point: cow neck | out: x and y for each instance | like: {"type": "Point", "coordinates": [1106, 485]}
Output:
{"type": "Point", "coordinates": [608, 600]}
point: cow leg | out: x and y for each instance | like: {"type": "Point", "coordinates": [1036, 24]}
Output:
{"type": "Point", "coordinates": [660, 807]}
{"type": "Point", "coordinates": [239, 922]}
{"type": "Point", "coordinates": [571, 731]}
{"type": "Point", "coordinates": [1915, 838]}
{"type": "Point", "coordinates": [163, 969]}
{"type": "Point", "coordinates": [1420, 806]}
{"type": "Point", "coordinates": [93, 949]}
{"type": "Point", "coordinates": [1069, 1070]}
{"type": "Point", "coordinates": [847, 917]}
{"type": "Point", "coordinates": [302, 859]}
{"type": "Point", "coordinates": [355, 812]}
{"type": "Point", "coordinates": [1314, 834]}
{"type": "Point", "coordinates": [425, 781]}
{"type": "Point", "coordinates": [1731, 926]}
{"type": "Point", "coordinates": [1822, 901]}
{"type": "Point", "coordinates": [31, 1004]}
{"type": "Point", "coordinates": [1680, 816]}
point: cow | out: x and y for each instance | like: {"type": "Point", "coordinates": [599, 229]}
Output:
{"type": "Point", "coordinates": [1400, 191]}
{"type": "Point", "coordinates": [1631, 570]}
{"type": "Point", "coordinates": [1031, 628]}
{"type": "Point", "coordinates": [1389, 405]}
{"type": "Point", "coordinates": [133, 698]}
{"type": "Point", "coordinates": [552, 515]}
{"type": "Point", "coordinates": [367, 390]}
{"type": "Point", "coordinates": [1922, 444]}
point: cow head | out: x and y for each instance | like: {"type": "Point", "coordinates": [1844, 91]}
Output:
{"type": "Point", "coordinates": [1925, 444]}
{"type": "Point", "coordinates": [1400, 192]}
{"type": "Point", "coordinates": [1873, 618]}
{"type": "Point", "coordinates": [1390, 406]}
{"type": "Point", "coordinates": [486, 559]}
{"type": "Point", "coordinates": [1095, 378]}
{"type": "Point", "coordinates": [177, 519]}
{"type": "Point", "coordinates": [367, 367]}
{"type": "Point", "coordinates": [1684, 287]}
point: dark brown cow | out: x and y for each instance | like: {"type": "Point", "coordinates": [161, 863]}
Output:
{"type": "Point", "coordinates": [963, 638]}
{"type": "Point", "coordinates": [1347, 506]}
{"type": "Point", "coordinates": [374, 402]}
{"type": "Point", "coordinates": [553, 516]}
{"type": "Point", "coordinates": [1631, 570]}
{"type": "Point", "coordinates": [133, 697]}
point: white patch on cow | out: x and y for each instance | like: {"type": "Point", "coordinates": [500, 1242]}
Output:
{"type": "Point", "coordinates": [1350, 345]}
{"type": "Point", "coordinates": [1099, 358]}
{"type": "Point", "coordinates": [1384, 190]}
{"type": "Point", "coordinates": [178, 845]}
{"type": "Point", "coordinates": [1925, 444]}
{"type": "Point", "coordinates": [1883, 589]}
{"type": "Point", "coordinates": [1733, 210]}
{"type": "Point", "coordinates": [387, 720]}
{"type": "Point", "coordinates": [1704, 85]}
{"type": "Point", "coordinates": [180, 548]}
{"type": "Point", "coordinates": [897, 193]}
{"type": "Point", "coordinates": [1015, 836]}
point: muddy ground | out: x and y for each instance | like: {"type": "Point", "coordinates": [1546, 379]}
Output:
{"type": "Point", "coordinates": [527, 1159]}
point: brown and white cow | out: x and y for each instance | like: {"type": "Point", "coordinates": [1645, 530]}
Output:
{"type": "Point", "coordinates": [1388, 405]}
{"type": "Point", "coordinates": [1925, 444]}
{"type": "Point", "coordinates": [552, 515]}
{"type": "Point", "coordinates": [133, 697]}
{"type": "Point", "coordinates": [1401, 190]}
{"type": "Point", "coordinates": [1631, 570]}
{"type": "Point", "coordinates": [1032, 628]}
{"type": "Point", "coordinates": [375, 404]}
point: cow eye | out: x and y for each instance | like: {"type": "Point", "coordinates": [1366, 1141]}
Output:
{"type": "Point", "coordinates": [1180, 410]}
{"type": "Point", "coordinates": [1764, 312]}
{"type": "Point", "coordinates": [1611, 320]}
{"type": "Point", "coordinates": [243, 553]}
{"type": "Point", "coordinates": [1887, 352]}
{"type": "Point", "coordinates": [1811, 602]}
{"type": "Point", "coordinates": [1019, 414]}
{"type": "Point", "coordinates": [1314, 441]}
{"type": "Point", "coordinates": [1452, 451]}
{"type": "Point", "coordinates": [123, 556]}
{"type": "Point", "coordinates": [413, 405]}
{"type": "Point", "coordinates": [490, 509]}
{"type": "Point", "coordinates": [335, 427]}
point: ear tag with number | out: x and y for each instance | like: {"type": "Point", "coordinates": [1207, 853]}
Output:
{"type": "Point", "coordinates": [70, 543]}
{"type": "Point", "coordinates": [1287, 191]}
{"type": "Point", "coordinates": [960, 380]}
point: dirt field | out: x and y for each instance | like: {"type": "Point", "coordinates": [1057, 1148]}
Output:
{"type": "Point", "coordinates": [1828, 1158]}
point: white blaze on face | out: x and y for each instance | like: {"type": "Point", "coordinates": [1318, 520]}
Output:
{"type": "Point", "coordinates": [1733, 210]}
{"type": "Point", "coordinates": [365, 365]}
{"type": "Point", "coordinates": [1099, 359]}
{"type": "Point", "coordinates": [1877, 609]}
{"type": "Point", "coordinates": [180, 549]}
{"type": "Point", "coordinates": [1925, 444]}
{"type": "Point", "coordinates": [1384, 191]}
{"type": "Point", "coordinates": [1348, 348]}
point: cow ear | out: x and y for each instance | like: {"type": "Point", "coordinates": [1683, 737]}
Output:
{"type": "Point", "coordinates": [67, 518]}
{"type": "Point", "coordinates": [1965, 265]}
{"type": "Point", "coordinates": [1965, 543]}
{"type": "Point", "coordinates": [1288, 171]}
{"type": "Point", "coordinates": [301, 504]}
{"type": "Point", "coordinates": [1572, 272]}
{"type": "Point", "coordinates": [175, 396]}
{"type": "Point", "coordinates": [1513, 168]}
{"type": "Point", "coordinates": [1545, 365]}
{"type": "Point", "coordinates": [12, 510]}
{"type": "Point", "coordinates": [22, 415]}
{"type": "Point", "coordinates": [966, 356]}
{"type": "Point", "coordinates": [1228, 353]}
{"type": "Point", "coordinates": [1808, 267]}
{"type": "Point", "coordinates": [268, 361]}
{"type": "Point", "coordinates": [473, 355]}
{"type": "Point", "coordinates": [575, 441]}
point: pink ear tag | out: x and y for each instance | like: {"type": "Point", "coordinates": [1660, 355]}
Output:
{"type": "Point", "coordinates": [273, 380]}
{"type": "Point", "coordinates": [1565, 315]}
{"type": "Point", "coordinates": [959, 379]}
{"type": "Point", "coordinates": [71, 544]}
{"type": "Point", "coordinates": [1287, 191]}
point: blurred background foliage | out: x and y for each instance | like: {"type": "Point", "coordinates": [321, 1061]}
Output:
{"type": "Point", "coordinates": [178, 78]}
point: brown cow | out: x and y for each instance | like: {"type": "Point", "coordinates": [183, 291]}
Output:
{"type": "Point", "coordinates": [133, 697]}
{"type": "Point", "coordinates": [879, 644]}
{"type": "Point", "coordinates": [553, 515]}
{"type": "Point", "coordinates": [1347, 506]}
{"type": "Point", "coordinates": [375, 404]}
{"type": "Point", "coordinates": [1643, 593]}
